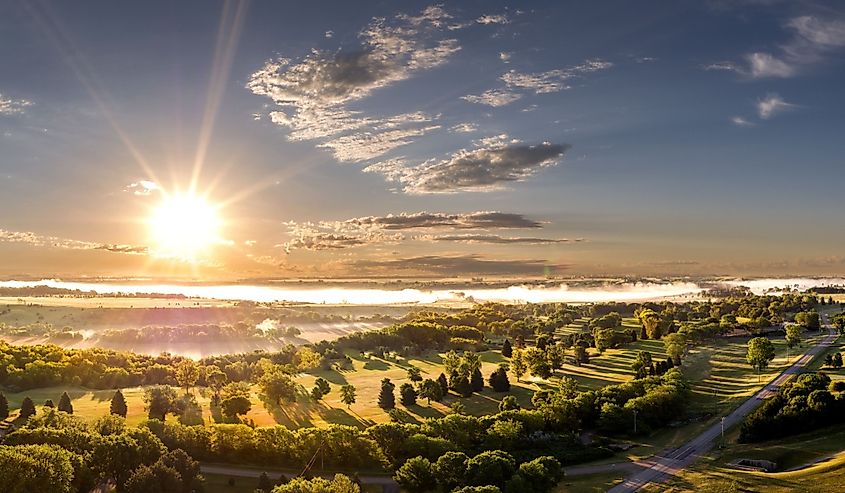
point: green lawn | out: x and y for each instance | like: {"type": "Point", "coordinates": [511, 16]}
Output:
{"type": "Point", "coordinates": [589, 483]}
{"type": "Point", "coordinates": [712, 474]}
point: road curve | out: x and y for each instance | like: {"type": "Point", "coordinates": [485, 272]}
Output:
{"type": "Point", "coordinates": [659, 467]}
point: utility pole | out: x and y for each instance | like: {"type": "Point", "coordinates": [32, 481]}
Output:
{"type": "Point", "coordinates": [723, 430]}
{"type": "Point", "coordinates": [635, 421]}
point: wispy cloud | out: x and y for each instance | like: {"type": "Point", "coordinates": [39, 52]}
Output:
{"type": "Point", "coordinates": [517, 83]}
{"type": "Point", "coordinates": [741, 122]}
{"type": "Point", "coordinates": [36, 240]}
{"type": "Point", "coordinates": [142, 188]}
{"type": "Point", "coordinates": [813, 40]}
{"type": "Point", "coordinates": [493, 97]}
{"type": "Point", "coordinates": [313, 93]}
{"type": "Point", "coordinates": [772, 105]}
{"type": "Point", "coordinates": [10, 106]}
{"type": "Point", "coordinates": [496, 239]}
{"type": "Point", "coordinates": [464, 128]}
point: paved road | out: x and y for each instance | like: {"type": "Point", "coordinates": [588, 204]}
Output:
{"type": "Point", "coordinates": [386, 482]}
{"type": "Point", "coordinates": [659, 467]}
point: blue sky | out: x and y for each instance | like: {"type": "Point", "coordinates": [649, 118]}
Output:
{"type": "Point", "coordinates": [629, 138]}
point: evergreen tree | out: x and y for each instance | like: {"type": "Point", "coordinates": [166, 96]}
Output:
{"type": "Point", "coordinates": [27, 408]}
{"type": "Point", "coordinates": [407, 395]}
{"type": "Point", "coordinates": [386, 399]}
{"type": "Point", "coordinates": [477, 381]}
{"type": "Point", "coordinates": [118, 404]}
{"type": "Point", "coordinates": [444, 384]}
{"type": "Point", "coordinates": [837, 360]}
{"type": "Point", "coordinates": [499, 381]}
{"type": "Point", "coordinates": [65, 404]}
{"type": "Point", "coordinates": [49, 403]}
{"type": "Point", "coordinates": [507, 349]}
{"type": "Point", "coordinates": [4, 406]}
{"type": "Point", "coordinates": [347, 395]}
{"type": "Point", "coordinates": [461, 385]}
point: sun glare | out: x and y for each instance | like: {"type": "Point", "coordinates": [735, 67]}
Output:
{"type": "Point", "coordinates": [184, 227]}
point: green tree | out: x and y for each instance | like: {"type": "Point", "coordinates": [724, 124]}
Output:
{"type": "Point", "coordinates": [491, 467]}
{"type": "Point", "coordinates": [498, 380]}
{"type": "Point", "coordinates": [407, 395]}
{"type": "Point", "coordinates": [4, 406]}
{"type": "Point", "coordinates": [837, 360]}
{"type": "Point", "coordinates": [507, 349]}
{"type": "Point", "coordinates": [450, 470]}
{"type": "Point", "coordinates": [793, 337]}
{"type": "Point", "coordinates": [809, 320]}
{"type": "Point", "coordinates": [65, 404]}
{"type": "Point", "coordinates": [675, 345]}
{"type": "Point", "coordinates": [518, 365]}
{"type": "Point", "coordinates": [414, 374]}
{"type": "Point", "coordinates": [27, 408]}
{"type": "Point", "coordinates": [541, 474]}
{"type": "Point", "coordinates": [416, 475]}
{"type": "Point", "coordinates": [604, 339]}
{"type": "Point", "coordinates": [187, 373]}
{"type": "Point", "coordinates": [430, 390]}
{"type": "Point", "coordinates": [509, 403]}
{"type": "Point", "coordinates": [118, 404]}
{"type": "Point", "coordinates": [36, 468]}
{"type": "Point", "coordinates": [347, 395]}
{"type": "Point", "coordinates": [444, 383]}
{"type": "Point", "coordinates": [477, 380]}
{"type": "Point", "coordinates": [760, 352]}
{"type": "Point", "coordinates": [160, 400]}
{"type": "Point", "coordinates": [652, 323]}
{"type": "Point", "coordinates": [386, 399]}
{"type": "Point", "coordinates": [278, 386]}
{"type": "Point", "coordinates": [340, 484]}
{"type": "Point", "coordinates": [49, 403]}
{"type": "Point", "coordinates": [157, 478]}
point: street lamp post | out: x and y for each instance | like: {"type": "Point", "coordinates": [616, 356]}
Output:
{"type": "Point", "coordinates": [723, 429]}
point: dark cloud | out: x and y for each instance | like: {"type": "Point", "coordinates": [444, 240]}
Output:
{"type": "Point", "coordinates": [468, 220]}
{"type": "Point", "coordinates": [497, 239]}
{"type": "Point", "coordinates": [476, 170]}
{"type": "Point", "coordinates": [129, 249]}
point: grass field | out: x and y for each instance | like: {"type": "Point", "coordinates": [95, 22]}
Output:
{"type": "Point", "coordinates": [712, 473]}
{"type": "Point", "coordinates": [590, 483]}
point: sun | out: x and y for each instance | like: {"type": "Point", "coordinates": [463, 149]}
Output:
{"type": "Point", "coordinates": [185, 227]}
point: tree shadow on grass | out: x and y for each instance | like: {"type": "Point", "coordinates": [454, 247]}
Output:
{"type": "Point", "coordinates": [377, 365]}
{"type": "Point", "coordinates": [293, 415]}
{"type": "Point", "coordinates": [344, 417]}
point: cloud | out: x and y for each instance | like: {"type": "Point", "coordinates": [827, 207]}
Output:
{"type": "Point", "coordinates": [329, 236]}
{"type": "Point", "coordinates": [812, 40]}
{"type": "Point", "coordinates": [36, 240]}
{"type": "Point", "coordinates": [430, 220]}
{"type": "Point", "coordinates": [766, 65]}
{"type": "Point", "coordinates": [493, 19]}
{"type": "Point", "coordinates": [329, 34]}
{"type": "Point", "coordinates": [464, 128]}
{"type": "Point", "coordinates": [142, 188]}
{"type": "Point", "coordinates": [741, 122]}
{"type": "Point", "coordinates": [13, 106]}
{"type": "Point", "coordinates": [493, 97]}
{"type": "Point", "coordinates": [371, 230]}
{"type": "Point", "coordinates": [505, 56]}
{"type": "Point", "coordinates": [313, 93]}
{"type": "Point", "coordinates": [497, 239]}
{"type": "Point", "coordinates": [452, 265]}
{"type": "Point", "coordinates": [474, 170]}
{"type": "Point", "coordinates": [551, 81]}
{"type": "Point", "coordinates": [772, 105]}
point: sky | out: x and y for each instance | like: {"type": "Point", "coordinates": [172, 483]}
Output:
{"type": "Point", "coordinates": [270, 139]}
